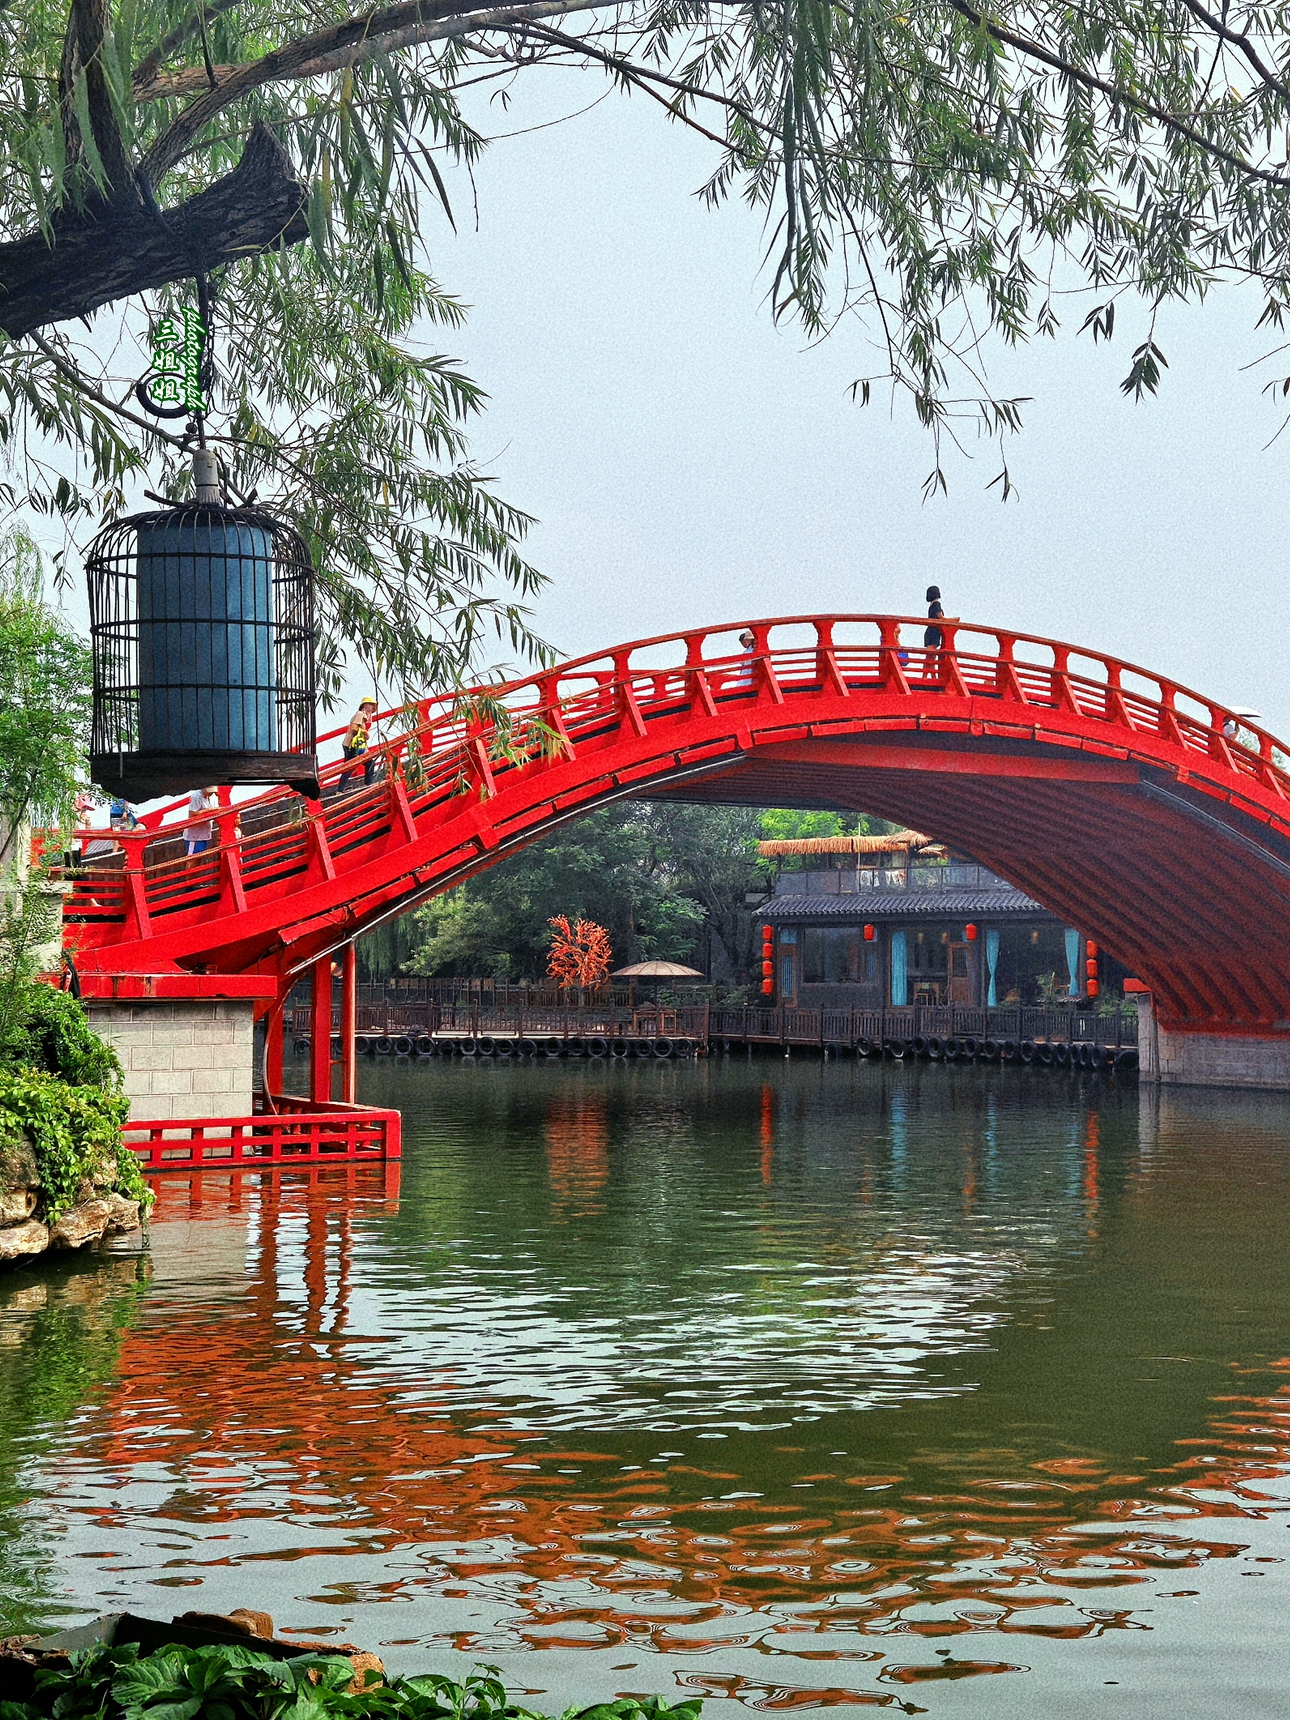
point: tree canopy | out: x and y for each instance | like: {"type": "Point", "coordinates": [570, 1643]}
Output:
{"type": "Point", "coordinates": [667, 880]}
{"type": "Point", "coordinates": [937, 171]}
{"type": "Point", "coordinates": [44, 707]}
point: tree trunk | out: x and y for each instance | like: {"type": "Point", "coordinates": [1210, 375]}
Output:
{"type": "Point", "coordinates": [120, 248]}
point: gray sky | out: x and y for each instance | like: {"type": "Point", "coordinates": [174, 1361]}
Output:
{"type": "Point", "coordinates": [690, 463]}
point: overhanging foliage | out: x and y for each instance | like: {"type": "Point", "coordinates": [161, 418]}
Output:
{"type": "Point", "coordinates": [944, 170]}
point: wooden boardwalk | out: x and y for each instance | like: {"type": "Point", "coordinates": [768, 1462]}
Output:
{"type": "Point", "coordinates": [1062, 1035]}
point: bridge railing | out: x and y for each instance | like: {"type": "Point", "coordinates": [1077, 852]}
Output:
{"type": "Point", "coordinates": [450, 752]}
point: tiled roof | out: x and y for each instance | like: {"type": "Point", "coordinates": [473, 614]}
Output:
{"type": "Point", "coordinates": [902, 905]}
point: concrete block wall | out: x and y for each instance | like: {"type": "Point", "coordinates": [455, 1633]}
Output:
{"type": "Point", "coordinates": [181, 1058]}
{"type": "Point", "coordinates": [1176, 1059]}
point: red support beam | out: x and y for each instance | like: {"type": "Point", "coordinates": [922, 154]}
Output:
{"type": "Point", "coordinates": [320, 1033]}
{"type": "Point", "coordinates": [273, 1048]}
{"type": "Point", "coordinates": [348, 994]}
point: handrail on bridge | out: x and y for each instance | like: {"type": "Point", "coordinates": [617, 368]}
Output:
{"type": "Point", "coordinates": [453, 748]}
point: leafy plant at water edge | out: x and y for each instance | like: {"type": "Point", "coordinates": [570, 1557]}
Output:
{"type": "Point", "coordinates": [75, 1133]}
{"type": "Point", "coordinates": [229, 1682]}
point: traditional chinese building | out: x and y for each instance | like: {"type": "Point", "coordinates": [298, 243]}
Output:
{"type": "Point", "coordinates": [872, 921]}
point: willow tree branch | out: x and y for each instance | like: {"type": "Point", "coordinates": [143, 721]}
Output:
{"type": "Point", "coordinates": [629, 68]}
{"type": "Point", "coordinates": [88, 25]}
{"type": "Point", "coordinates": [120, 248]}
{"type": "Point", "coordinates": [1242, 44]}
{"type": "Point", "coordinates": [1122, 98]}
{"type": "Point", "coordinates": [384, 32]}
{"type": "Point", "coordinates": [86, 388]}
{"type": "Point", "coordinates": [146, 71]}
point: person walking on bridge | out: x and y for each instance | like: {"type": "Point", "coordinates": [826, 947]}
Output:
{"type": "Point", "coordinates": [356, 741]}
{"type": "Point", "coordinates": [197, 837]}
{"type": "Point", "coordinates": [933, 638]}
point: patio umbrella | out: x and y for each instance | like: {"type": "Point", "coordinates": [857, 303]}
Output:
{"type": "Point", "coordinates": [657, 970]}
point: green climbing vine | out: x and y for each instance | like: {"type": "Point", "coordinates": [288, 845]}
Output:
{"type": "Point", "coordinates": [75, 1134]}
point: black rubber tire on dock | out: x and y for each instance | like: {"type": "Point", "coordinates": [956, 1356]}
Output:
{"type": "Point", "coordinates": [1087, 1057]}
{"type": "Point", "coordinates": [953, 1051]}
{"type": "Point", "coordinates": [468, 1047]}
{"type": "Point", "coordinates": [363, 1044]}
{"type": "Point", "coordinates": [895, 1048]}
{"type": "Point", "coordinates": [300, 1046]}
{"type": "Point", "coordinates": [425, 1045]}
{"type": "Point", "coordinates": [403, 1046]}
{"type": "Point", "coordinates": [935, 1047]}
{"type": "Point", "coordinates": [1126, 1059]}
{"type": "Point", "coordinates": [620, 1048]}
{"type": "Point", "coordinates": [506, 1048]}
{"type": "Point", "coordinates": [971, 1046]}
{"type": "Point", "coordinates": [551, 1047]}
{"type": "Point", "coordinates": [1046, 1055]}
{"type": "Point", "coordinates": [1029, 1051]}
{"type": "Point", "coordinates": [683, 1047]}
{"type": "Point", "coordinates": [485, 1045]}
{"type": "Point", "coordinates": [918, 1045]}
{"type": "Point", "coordinates": [662, 1047]}
{"type": "Point", "coordinates": [575, 1046]}
{"type": "Point", "coordinates": [864, 1047]}
{"type": "Point", "coordinates": [1008, 1051]}
{"type": "Point", "coordinates": [642, 1048]}
{"type": "Point", "coordinates": [597, 1045]}
{"type": "Point", "coordinates": [1062, 1054]}
{"type": "Point", "coordinates": [527, 1047]}
{"type": "Point", "coordinates": [990, 1049]}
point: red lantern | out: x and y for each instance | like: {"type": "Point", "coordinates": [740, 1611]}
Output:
{"type": "Point", "coordinates": [768, 970]}
{"type": "Point", "coordinates": [768, 986]}
{"type": "Point", "coordinates": [768, 934]}
{"type": "Point", "coordinates": [1091, 988]}
{"type": "Point", "coordinates": [1090, 968]}
{"type": "Point", "coordinates": [969, 932]}
{"type": "Point", "coordinates": [1090, 950]}
{"type": "Point", "coordinates": [870, 933]}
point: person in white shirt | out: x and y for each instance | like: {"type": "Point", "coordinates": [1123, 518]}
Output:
{"type": "Point", "coordinates": [743, 676]}
{"type": "Point", "coordinates": [198, 836]}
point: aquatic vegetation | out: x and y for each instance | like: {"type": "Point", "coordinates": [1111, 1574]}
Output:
{"type": "Point", "coordinates": [229, 1682]}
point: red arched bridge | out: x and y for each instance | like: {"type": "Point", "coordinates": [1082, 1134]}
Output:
{"type": "Point", "coordinates": [1144, 813]}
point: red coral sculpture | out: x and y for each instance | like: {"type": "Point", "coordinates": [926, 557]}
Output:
{"type": "Point", "coordinates": [580, 954]}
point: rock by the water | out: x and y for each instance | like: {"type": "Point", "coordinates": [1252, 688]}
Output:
{"type": "Point", "coordinates": [16, 1204]}
{"type": "Point", "coordinates": [19, 1239]}
{"type": "Point", "coordinates": [18, 1168]}
{"type": "Point", "coordinates": [93, 1219]}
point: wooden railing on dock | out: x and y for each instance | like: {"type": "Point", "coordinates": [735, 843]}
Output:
{"type": "Point", "coordinates": [476, 1017]}
{"type": "Point", "coordinates": [1070, 1024]}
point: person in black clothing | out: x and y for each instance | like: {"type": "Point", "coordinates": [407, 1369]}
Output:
{"type": "Point", "coordinates": [933, 638]}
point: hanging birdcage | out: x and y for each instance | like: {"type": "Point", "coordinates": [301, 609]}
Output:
{"type": "Point", "coordinates": [202, 625]}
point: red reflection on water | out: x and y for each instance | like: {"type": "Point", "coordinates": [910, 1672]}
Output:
{"type": "Point", "coordinates": [1092, 1141]}
{"type": "Point", "coordinates": [767, 1133]}
{"type": "Point", "coordinates": [271, 1408]}
{"type": "Point", "coordinates": [577, 1153]}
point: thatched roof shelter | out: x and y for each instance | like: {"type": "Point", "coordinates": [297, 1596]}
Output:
{"type": "Point", "coordinates": [895, 842]}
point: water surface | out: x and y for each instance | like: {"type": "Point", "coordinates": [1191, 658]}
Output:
{"type": "Point", "coordinates": [786, 1384]}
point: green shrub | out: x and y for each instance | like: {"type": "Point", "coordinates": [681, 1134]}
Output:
{"type": "Point", "coordinates": [50, 1032]}
{"type": "Point", "coordinates": [75, 1133]}
{"type": "Point", "coordinates": [236, 1683]}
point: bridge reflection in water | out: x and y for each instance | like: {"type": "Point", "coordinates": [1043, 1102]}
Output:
{"type": "Point", "coordinates": [796, 1385]}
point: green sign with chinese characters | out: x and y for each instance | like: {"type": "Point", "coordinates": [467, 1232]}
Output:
{"type": "Point", "coordinates": [177, 346]}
